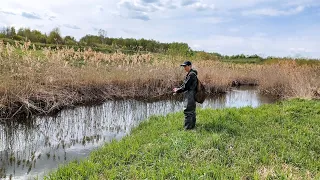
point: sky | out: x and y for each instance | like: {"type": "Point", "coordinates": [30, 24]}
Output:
{"type": "Point", "coordinates": [281, 28]}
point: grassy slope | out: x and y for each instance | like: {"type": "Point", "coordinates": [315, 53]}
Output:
{"type": "Point", "coordinates": [279, 141]}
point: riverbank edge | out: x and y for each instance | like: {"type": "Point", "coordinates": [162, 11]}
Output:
{"type": "Point", "coordinates": [47, 103]}
{"type": "Point", "coordinates": [118, 158]}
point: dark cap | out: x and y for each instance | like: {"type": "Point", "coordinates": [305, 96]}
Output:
{"type": "Point", "coordinates": [186, 63]}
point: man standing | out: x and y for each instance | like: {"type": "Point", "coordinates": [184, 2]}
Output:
{"type": "Point", "coordinates": [189, 87]}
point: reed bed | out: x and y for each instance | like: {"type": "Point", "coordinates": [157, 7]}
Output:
{"type": "Point", "coordinates": [44, 81]}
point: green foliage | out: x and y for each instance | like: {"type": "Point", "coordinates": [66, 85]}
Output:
{"type": "Point", "coordinates": [68, 40]}
{"type": "Point", "coordinates": [55, 37]}
{"type": "Point", "coordinates": [8, 32]}
{"type": "Point", "coordinates": [278, 141]}
{"type": "Point", "coordinates": [99, 41]}
{"type": "Point", "coordinates": [241, 58]}
{"type": "Point", "coordinates": [308, 62]}
{"type": "Point", "coordinates": [106, 44]}
{"type": "Point", "coordinates": [90, 40]}
{"type": "Point", "coordinates": [18, 38]}
{"type": "Point", "coordinates": [181, 49]}
{"type": "Point", "coordinates": [28, 35]}
{"type": "Point", "coordinates": [244, 60]}
{"type": "Point", "coordinates": [206, 56]}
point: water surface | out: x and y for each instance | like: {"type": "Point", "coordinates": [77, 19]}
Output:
{"type": "Point", "coordinates": [36, 147]}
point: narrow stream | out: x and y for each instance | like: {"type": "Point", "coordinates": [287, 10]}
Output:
{"type": "Point", "coordinates": [36, 147]}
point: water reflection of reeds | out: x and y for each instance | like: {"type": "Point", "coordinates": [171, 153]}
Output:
{"type": "Point", "coordinates": [44, 142]}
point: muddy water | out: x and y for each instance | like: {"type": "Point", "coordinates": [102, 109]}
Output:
{"type": "Point", "coordinates": [33, 149]}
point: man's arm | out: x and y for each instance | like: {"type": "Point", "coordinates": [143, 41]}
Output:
{"type": "Point", "coordinates": [187, 83]}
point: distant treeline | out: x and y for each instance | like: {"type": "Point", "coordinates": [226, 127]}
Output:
{"type": "Point", "coordinates": [106, 44]}
{"type": "Point", "coordinates": [94, 41]}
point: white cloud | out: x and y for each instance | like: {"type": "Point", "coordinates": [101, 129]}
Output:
{"type": "Point", "coordinates": [233, 30]}
{"type": "Point", "coordinates": [10, 11]}
{"type": "Point", "coordinates": [42, 14]}
{"type": "Point", "coordinates": [213, 20]}
{"type": "Point", "coordinates": [71, 26]}
{"type": "Point", "coordinates": [235, 4]}
{"type": "Point", "coordinates": [202, 6]}
{"type": "Point", "coordinates": [188, 2]}
{"type": "Point", "coordinates": [211, 25]}
{"type": "Point", "coordinates": [196, 46]}
{"type": "Point", "coordinates": [137, 9]}
{"type": "Point", "coordinates": [100, 8]}
{"type": "Point", "coordinates": [7, 12]}
{"type": "Point", "coordinates": [305, 3]}
{"type": "Point", "coordinates": [139, 15]}
{"type": "Point", "coordinates": [277, 46]}
{"type": "Point", "coordinates": [143, 9]}
{"type": "Point", "coordinates": [31, 15]}
{"type": "Point", "coordinates": [299, 50]}
{"type": "Point", "coordinates": [274, 12]}
{"type": "Point", "coordinates": [134, 5]}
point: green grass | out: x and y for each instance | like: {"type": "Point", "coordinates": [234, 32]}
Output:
{"type": "Point", "coordinates": [36, 53]}
{"type": "Point", "coordinates": [309, 62]}
{"type": "Point", "coordinates": [279, 141]}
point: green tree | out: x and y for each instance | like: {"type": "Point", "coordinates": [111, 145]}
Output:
{"type": "Point", "coordinates": [90, 40]}
{"type": "Point", "coordinates": [55, 37]}
{"type": "Point", "coordinates": [8, 32]}
{"type": "Point", "coordinates": [181, 49]}
{"type": "Point", "coordinates": [12, 32]}
{"type": "Point", "coordinates": [69, 40]}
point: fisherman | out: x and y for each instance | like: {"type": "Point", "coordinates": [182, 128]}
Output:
{"type": "Point", "coordinates": [189, 88]}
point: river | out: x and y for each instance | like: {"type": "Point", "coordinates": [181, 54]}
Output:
{"type": "Point", "coordinates": [32, 148]}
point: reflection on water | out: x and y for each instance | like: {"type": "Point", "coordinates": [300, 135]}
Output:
{"type": "Point", "coordinates": [34, 148]}
{"type": "Point", "coordinates": [238, 97]}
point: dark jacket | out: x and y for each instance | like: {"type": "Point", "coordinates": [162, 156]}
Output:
{"type": "Point", "coordinates": [190, 82]}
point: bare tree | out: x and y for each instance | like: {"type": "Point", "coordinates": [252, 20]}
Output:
{"type": "Point", "coordinates": [102, 34]}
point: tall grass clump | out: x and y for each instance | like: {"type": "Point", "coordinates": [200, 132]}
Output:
{"type": "Point", "coordinates": [284, 79]}
{"type": "Point", "coordinates": [288, 79]}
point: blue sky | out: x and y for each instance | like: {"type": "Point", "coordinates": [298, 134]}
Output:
{"type": "Point", "coordinates": [264, 27]}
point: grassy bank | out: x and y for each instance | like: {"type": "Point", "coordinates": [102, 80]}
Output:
{"type": "Point", "coordinates": [279, 141]}
{"type": "Point", "coordinates": [43, 81]}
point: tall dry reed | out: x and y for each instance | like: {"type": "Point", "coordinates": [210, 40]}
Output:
{"type": "Point", "coordinates": [42, 81]}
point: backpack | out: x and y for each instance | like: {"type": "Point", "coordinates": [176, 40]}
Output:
{"type": "Point", "coordinates": [201, 93]}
